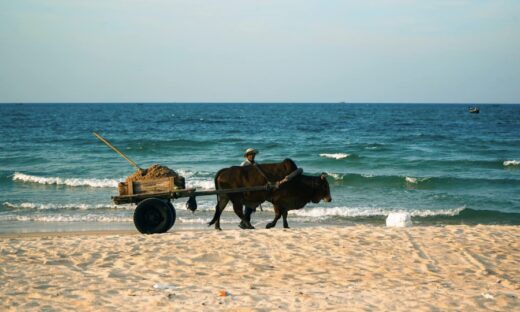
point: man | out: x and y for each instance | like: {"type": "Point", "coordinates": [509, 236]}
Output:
{"type": "Point", "coordinates": [249, 155]}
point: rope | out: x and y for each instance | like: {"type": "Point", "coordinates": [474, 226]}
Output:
{"type": "Point", "coordinates": [276, 185]}
{"type": "Point", "coordinates": [270, 185]}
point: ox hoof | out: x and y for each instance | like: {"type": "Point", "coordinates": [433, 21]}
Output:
{"type": "Point", "coordinates": [269, 225]}
{"type": "Point", "coordinates": [246, 226]}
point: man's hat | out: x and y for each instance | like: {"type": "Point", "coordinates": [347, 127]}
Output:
{"type": "Point", "coordinates": [250, 151]}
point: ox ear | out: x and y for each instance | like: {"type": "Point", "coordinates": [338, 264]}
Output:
{"type": "Point", "coordinates": [324, 175]}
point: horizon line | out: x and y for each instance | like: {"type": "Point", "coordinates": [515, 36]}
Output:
{"type": "Point", "coordinates": [255, 103]}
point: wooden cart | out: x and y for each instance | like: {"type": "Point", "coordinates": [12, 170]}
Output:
{"type": "Point", "coordinates": [155, 212]}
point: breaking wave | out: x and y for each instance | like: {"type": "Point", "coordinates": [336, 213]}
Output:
{"type": "Point", "coordinates": [335, 176]}
{"type": "Point", "coordinates": [410, 180]}
{"type": "Point", "coordinates": [198, 180]}
{"type": "Point", "coordinates": [205, 221]}
{"type": "Point", "coordinates": [413, 180]}
{"type": "Point", "coordinates": [200, 184]}
{"type": "Point", "coordinates": [511, 163]}
{"type": "Point", "coordinates": [22, 177]}
{"type": "Point", "coordinates": [51, 206]}
{"type": "Point", "coordinates": [66, 218]}
{"type": "Point", "coordinates": [370, 212]}
{"type": "Point", "coordinates": [335, 155]}
{"type": "Point", "coordinates": [396, 181]}
{"type": "Point", "coordinates": [460, 215]}
{"type": "Point", "coordinates": [189, 173]}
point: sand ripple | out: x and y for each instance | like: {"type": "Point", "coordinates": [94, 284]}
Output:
{"type": "Point", "coordinates": [309, 269]}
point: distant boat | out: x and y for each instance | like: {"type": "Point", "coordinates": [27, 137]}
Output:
{"type": "Point", "coordinates": [474, 110]}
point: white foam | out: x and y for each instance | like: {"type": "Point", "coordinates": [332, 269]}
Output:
{"type": "Point", "coordinates": [66, 218]}
{"type": "Point", "coordinates": [205, 220]}
{"type": "Point", "coordinates": [81, 206]}
{"type": "Point", "coordinates": [65, 181]}
{"type": "Point", "coordinates": [194, 179]}
{"type": "Point", "coordinates": [411, 180]}
{"type": "Point", "coordinates": [185, 173]}
{"type": "Point", "coordinates": [336, 176]}
{"type": "Point", "coordinates": [200, 184]}
{"type": "Point", "coordinates": [335, 155]}
{"type": "Point", "coordinates": [337, 212]}
{"type": "Point", "coordinates": [320, 212]}
{"type": "Point", "coordinates": [511, 163]}
{"type": "Point", "coordinates": [440, 212]}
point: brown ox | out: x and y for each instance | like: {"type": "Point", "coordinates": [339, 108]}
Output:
{"type": "Point", "coordinates": [289, 196]}
{"type": "Point", "coordinates": [298, 193]}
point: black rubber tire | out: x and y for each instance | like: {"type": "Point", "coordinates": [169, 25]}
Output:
{"type": "Point", "coordinates": [174, 215]}
{"type": "Point", "coordinates": [153, 216]}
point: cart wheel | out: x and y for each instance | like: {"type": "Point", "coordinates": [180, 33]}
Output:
{"type": "Point", "coordinates": [173, 215]}
{"type": "Point", "coordinates": [153, 216]}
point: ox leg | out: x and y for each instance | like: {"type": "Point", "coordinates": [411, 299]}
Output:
{"type": "Point", "coordinates": [217, 224]}
{"type": "Point", "coordinates": [284, 215]}
{"type": "Point", "coordinates": [244, 224]}
{"type": "Point", "coordinates": [277, 215]}
{"type": "Point", "coordinates": [221, 204]}
{"type": "Point", "coordinates": [247, 216]}
{"type": "Point", "coordinates": [248, 211]}
{"type": "Point", "coordinates": [218, 212]}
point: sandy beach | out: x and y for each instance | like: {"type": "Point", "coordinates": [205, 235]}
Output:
{"type": "Point", "coordinates": [358, 268]}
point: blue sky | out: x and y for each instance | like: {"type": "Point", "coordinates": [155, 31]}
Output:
{"type": "Point", "coordinates": [259, 51]}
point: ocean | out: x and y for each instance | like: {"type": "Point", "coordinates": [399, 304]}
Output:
{"type": "Point", "coordinates": [437, 162]}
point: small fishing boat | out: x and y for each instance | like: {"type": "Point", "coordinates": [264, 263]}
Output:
{"type": "Point", "coordinates": [474, 110]}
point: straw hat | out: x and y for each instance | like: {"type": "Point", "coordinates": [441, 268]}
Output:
{"type": "Point", "coordinates": [250, 151]}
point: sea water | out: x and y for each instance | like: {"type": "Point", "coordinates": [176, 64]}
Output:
{"type": "Point", "coordinates": [439, 163]}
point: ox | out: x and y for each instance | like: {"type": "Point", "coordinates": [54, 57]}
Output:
{"type": "Point", "coordinates": [289, 196]}
{"type": "Point", "coordinates": [298, 193]}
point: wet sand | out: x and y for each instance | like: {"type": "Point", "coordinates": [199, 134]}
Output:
{"type": "Point", "coordinates": [337, 268]}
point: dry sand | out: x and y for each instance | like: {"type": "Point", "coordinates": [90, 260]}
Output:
{"type": "Point", "coordinates": [347, 268]}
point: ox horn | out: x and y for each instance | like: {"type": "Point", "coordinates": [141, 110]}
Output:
{"type": "Point", "coordinates": [324, 175]}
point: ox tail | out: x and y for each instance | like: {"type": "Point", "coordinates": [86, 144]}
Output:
{"type": "Point", "coordinates": [216, 216]}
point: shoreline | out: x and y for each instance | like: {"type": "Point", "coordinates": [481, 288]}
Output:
{"type": "Point", "coordinates": [32, 228]}
{"type": "Point", "coordinates": [313, 268]}
{"type": "Point", "coordinates": [298, 219]}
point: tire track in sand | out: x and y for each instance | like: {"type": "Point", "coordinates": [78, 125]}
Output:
{"type": "Point", "coordinates": [429, 263]}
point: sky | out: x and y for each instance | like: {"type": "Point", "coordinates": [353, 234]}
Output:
{"type": "Point", "coordinates": [401, 51]}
